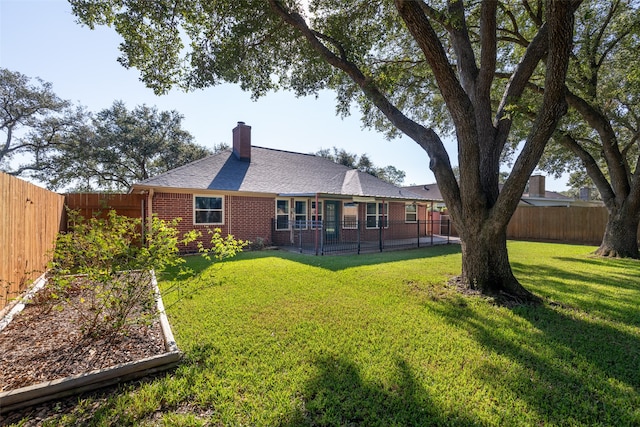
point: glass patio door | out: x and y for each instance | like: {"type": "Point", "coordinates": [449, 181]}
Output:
{"type": "Point", "coordinates": [332, 220]}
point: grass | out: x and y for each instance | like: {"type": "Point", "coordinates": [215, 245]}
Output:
{"type": "Point", "coordinates": [283, 339]}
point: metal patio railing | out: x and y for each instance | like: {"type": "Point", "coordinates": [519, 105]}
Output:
{"type": "Point", "coordinates": [330, 237]}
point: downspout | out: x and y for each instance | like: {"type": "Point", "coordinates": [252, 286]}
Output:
{"type": "Point", "coordinates": [292, 221]}
{"type": "Point", "coordinates": [384, 222]}
{"type": "Point", "coordinates": [316, 224]}
{"type": "Point", "coordinates": [431, 222]}
{"type": "Point", "coordinates": [150, 210]}
{"type": "Point", "coordinates": [227, 214]}
{"type": "Point", "coordinates": [417, 220]}
{"type": "Point", "coordinates": [142, 221]}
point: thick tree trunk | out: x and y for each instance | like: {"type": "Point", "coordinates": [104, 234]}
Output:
{"type": "Point", "coordinates": [486, 267]}
{"type": "Point", "coordinates": [620, 236]}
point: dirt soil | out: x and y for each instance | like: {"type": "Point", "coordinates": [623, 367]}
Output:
{"type": "Point", "coordinates": [42, 344]}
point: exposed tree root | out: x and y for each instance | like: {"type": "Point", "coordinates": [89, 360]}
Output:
{"type": "Point", "coordinates": [609, 252]}
{"type": "Point", "coordinates": [501, 298]}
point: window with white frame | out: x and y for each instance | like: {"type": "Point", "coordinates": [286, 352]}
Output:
{"type": "Point", "coordinates": [315, 218]}
{"type": "Point", "coordinates": [349, 215]}
{"type": "Point", "coordinates": [377, 214]}
{"type": "Point", "coordinates": [410, 212]}
{"type": "Point", "coordinates": [300, 212]}
{"type": "Point", "coordinates": [208, 210]}
{"type": "Point", "coordinates": [282, 214]}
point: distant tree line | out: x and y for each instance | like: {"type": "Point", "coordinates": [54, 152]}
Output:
{"type": "Point", "coordinates": [67, 147]}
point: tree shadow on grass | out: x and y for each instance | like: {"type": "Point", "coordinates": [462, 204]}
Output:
{"type": "Point", "coordinates": [622, 274]}
{"type": "Point", "coordinates": [338, 396]}
{"type": "Point", "coordinates": [612, 296]}
{"type": "Point", "coordinates": [342, 262]}
{"type": "Point", "coordinates": [197, 265]}
{"type": "Point", "coordinates": [570, 369]}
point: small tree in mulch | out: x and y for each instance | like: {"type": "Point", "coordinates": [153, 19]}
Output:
{"type": "Point", "coordinates": [106, 264]}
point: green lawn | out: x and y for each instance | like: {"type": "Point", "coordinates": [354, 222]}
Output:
{"type": "Point", "coordinates": [286, 340]}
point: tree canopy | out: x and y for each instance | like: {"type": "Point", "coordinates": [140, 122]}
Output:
{"type": "Point", "coordinates": [425, 70]}
{"type": "Point", "coordinates": [118, 147]}
{"type": "Point", "coordinates": [388, 173]}
{"type": "Point", "coordinates": [67, 147]}
{"type": "Point", "coordinates": [29, 112]}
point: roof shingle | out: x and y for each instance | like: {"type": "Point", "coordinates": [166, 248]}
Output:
{"type": "Point", "coordinates": [276, 172]}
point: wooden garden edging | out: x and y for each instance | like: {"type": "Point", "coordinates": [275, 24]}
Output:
{"type": "Point", "coordinates": [75, 384]}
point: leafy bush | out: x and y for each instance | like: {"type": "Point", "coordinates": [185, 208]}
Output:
{"type": "Point", "coordinates": [258, 244]}
{"type": "Point", "coordinates": [221, 247]}
{"type": "Point", "coordinates": [107, 262]}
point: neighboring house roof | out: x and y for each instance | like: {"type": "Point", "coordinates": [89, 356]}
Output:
{"type": "Point", "coordinates": [547, 195]}
{"type": "Point", "coordinates": [428, 191]}
{"type": "Point", "coordinates": [275, 172]}
{"type": "Point", "coordinates": [551, 198]}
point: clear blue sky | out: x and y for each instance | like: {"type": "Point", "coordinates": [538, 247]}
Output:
{"type": "Point", "coordinates": [40, 38]}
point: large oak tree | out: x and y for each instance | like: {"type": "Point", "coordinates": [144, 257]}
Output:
{"type": "Point", "coordinates": [29, 111]}
{"type": "Point", "coordinates": [117, 147]}
{"type": "Point", "coordinates": [402, 61]}
{"type": "Point", "coordinates": [601, 135]}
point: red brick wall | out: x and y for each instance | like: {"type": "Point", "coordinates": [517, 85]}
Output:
{"type": "Point", "coordinates": [396, 212]}
{"type": "Point", "coordinates": [246, 218]}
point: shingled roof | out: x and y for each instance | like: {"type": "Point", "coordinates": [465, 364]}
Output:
{"type": "Point", "coordinates": [432, 192]}
{"type": "Point", "coordinates": [275, 172]}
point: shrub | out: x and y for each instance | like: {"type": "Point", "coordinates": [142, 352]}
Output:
{"type": "Point", "coordinates": [258, 244]}
{"type": "Point", "coordinates": [221, 247]}
{"type": "Point", "coordinates": [108, 261]}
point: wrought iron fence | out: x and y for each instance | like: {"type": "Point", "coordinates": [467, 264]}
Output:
{"type": "Point", "coordinates": [354, 236]}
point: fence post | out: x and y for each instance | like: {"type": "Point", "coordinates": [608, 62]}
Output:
{"type": "Point", "coordinates": [418, 233]}
{"type": "Point", "coordinates": [433, 223]}
{"type": "Point", "coordinates": [358, 223]}
{"type": "Point", "coordinates": [448, 230]}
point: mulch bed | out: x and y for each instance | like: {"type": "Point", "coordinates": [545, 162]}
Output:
{"type": "Point", "coordinates": [42, 344]}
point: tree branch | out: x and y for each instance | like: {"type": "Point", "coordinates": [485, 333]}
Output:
{"type": "Point", "coordinates": [554, 106]}
{"type": "Point", "coordinates": [467, 67]}
{"type": "Point", "coordinates": [425, 137]}
{"type": "Point", "coordinates": [518, 81]}
{"type": "Point", "coordinates": [436, 15]}
{"type": "Point", "coordinates": [488, 43]}
{"type": "Point", "coordinates": [603, 27]}
{"type": "Point", "coordinates": [612, 154]}
{"type": "Point", "coordinates": [518, 37]}
{"type": "Point", "coordinates": [536, 16]}
{"type": "Point", "coordinates": [590, 164]}
{"type": "Point", "coordinates": [343, 53]}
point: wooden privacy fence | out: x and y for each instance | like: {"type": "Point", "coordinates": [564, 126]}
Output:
{"type": "Point", "coordinates": [99, 204]}
{"type": "Point", "coordinates": [575, 224]}
{"type": "Point", "coordinates": [30, 218]}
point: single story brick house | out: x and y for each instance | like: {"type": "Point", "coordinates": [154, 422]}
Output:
{"type": "Point", "coordinates": [262, 193]}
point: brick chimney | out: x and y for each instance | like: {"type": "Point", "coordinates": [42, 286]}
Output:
{"type": "Point", "coordinates": [242, 142]}
{"type": "Point", "coordinates": [536, 186]}
{"type": "Point", "coordinates": [585, 193]}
